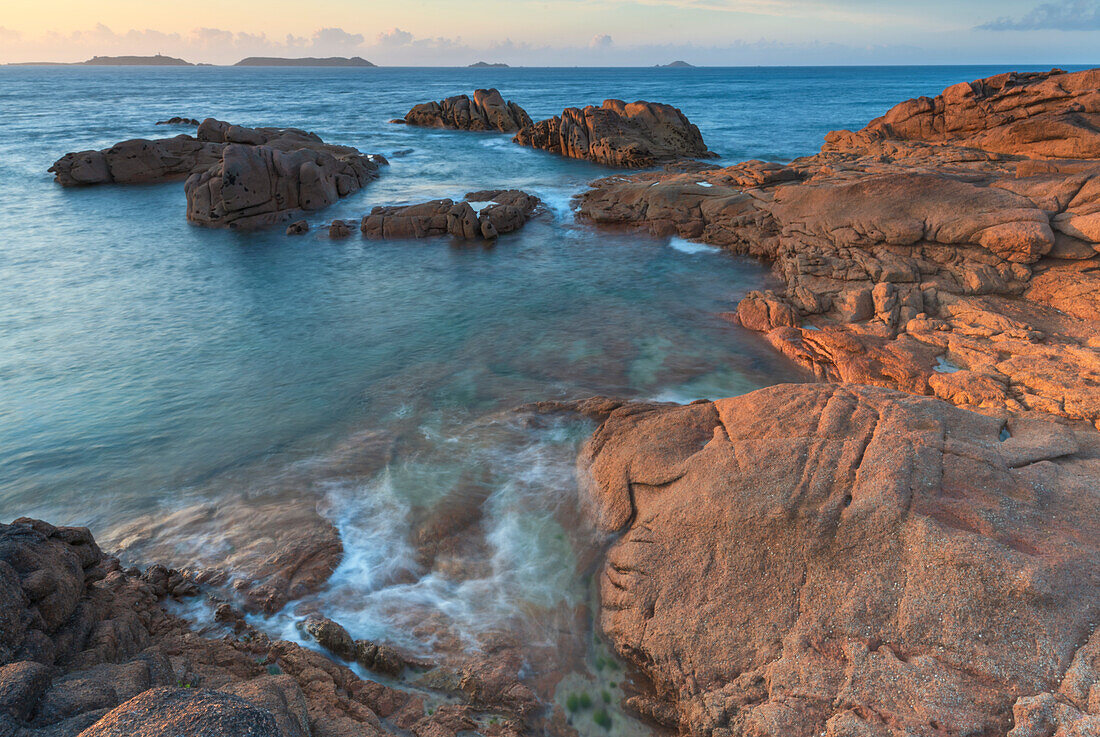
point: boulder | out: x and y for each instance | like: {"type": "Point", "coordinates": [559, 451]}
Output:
{"type": "Point", "coordinates": [180, 712]}
{"type": "Point", "coordinates": [499, 212]}
{"type": "Point", "coordinates": [821, 559]}
{"type": "Point", "coordinates": [254, 186]}
{"type": "Point", "coordinates": [486, 111]}
{"type": "Point", "coordinates": [631, 135]}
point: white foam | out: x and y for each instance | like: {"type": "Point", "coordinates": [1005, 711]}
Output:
{"type": "Point", "coordinates": [480, 205]}
{"type": "Point", "coordinates": [685, 246]}
{"type": "Point", "coordinates": [944, 366]}
{"type": "Point", "coordinates": [708, 185]}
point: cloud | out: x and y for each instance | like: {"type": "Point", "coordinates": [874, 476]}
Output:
{"type": "Point", "coordinates": [336, 38]}
{"type": "Point", "coordinates": [601, 41]}
{"type": "Point", "coordinates": [1067, 15]}
{"type": "Point", "coordinates": [396, 37]}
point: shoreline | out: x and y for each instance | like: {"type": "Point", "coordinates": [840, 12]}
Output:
{"type": "Point", "coordinates": [847, 557]}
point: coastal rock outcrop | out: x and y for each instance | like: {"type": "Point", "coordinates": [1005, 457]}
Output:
{"type": "Point", "coordinates": [257, 186]}
{"type": "Point", "coordinates": [481, 215]}
{"type": "Point", "coordinates": [140, 161]}
{"type": "Point", "coordinates": [1036, 114]}
{"type": "Point", "coordinates": [946, 267]}
{"type": "Point", "coordinates": [630, 135]}
{"type": "Point", "coordinates": [87, 648]}
{"type": "Point", "coordinates": [486, 111]}
{"type": "Point", "coordinates": [236, 176]}
{"type": "Point", "coordinates": [834, 560]}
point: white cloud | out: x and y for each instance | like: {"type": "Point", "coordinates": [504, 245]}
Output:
{"type": "Point", "coordinates": [1067, 15]}
{"type": "Point", "coordinates": [395, 37]}
{"type": "Point", "coordinates": [601, 41]}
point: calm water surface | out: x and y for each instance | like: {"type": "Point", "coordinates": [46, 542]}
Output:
{"type": "Point", "coordinates": [146, 364]}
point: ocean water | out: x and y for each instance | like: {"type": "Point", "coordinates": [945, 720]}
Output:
{"type": "Point", "coordinates": [147, 366]}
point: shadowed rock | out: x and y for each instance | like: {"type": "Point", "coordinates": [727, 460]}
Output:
{"type": "Point", "coordinates": [487, 111]}
{"type": "Point", "coordinates": [237, 177]}
{"type": "Point", "coordinates": [499, 212]}
{"type": "Point", "coordinates": [816, 559]}
{"type": "Point", "coordinates": [631, 135]}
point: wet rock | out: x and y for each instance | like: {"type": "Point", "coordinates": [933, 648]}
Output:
{"type": "Point", "coordinates": [176, 120]}
{"type": "Point", "coordinates": [630, 135]}
{"type": "Point", "coordinates": [268, 552]}
{"type": "Point", "coordinates": [298, 227]}
{"type": "Point", "coordinates": [330, 636]}
{"type": "Point", "coordinates": [167, 159]}
{"type": "Point", "coordinates": [875, 553]}
{"type": "Point", "coordinates": [177, 712]}
{"type": "Point", "coordinates": [501, 212]}
{"type": "Point", "coordinates": [486, 111]}
{"type": "Point", "coordinates": [254, 186]}
{"type": "Point", "coordinates": [338, 229]}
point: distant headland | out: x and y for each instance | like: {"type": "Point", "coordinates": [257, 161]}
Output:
{"type": "Point", "coordinates": [310, 61]}
{"type": "Point", "coordinates": [487, 65]}
{"type": "Point", "coordinates": [157, 60]}
{"type": "Point", "coordinates": [677, 65]}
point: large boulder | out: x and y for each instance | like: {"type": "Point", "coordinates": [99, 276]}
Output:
{"type": "Point", "coordinates": [818, 559]}
{"type": "Point", "coordinates": [254, 186]}
{"type": "Point", "coordinates": [180, 712]}
{"type": "Point", "coordinates": [630, 135]}
{"type": "Point", "coordinates": [486, 111]}
{"type": "Point", "coordinates": [140, 161]}
{"type": "Point", "coordinates": [482, 215]}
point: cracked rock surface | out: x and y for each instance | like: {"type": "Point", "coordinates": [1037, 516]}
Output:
{"type": "Point", "coordinates": [819, 559]}
{"type": "Point", "coordinates": [950, 248]}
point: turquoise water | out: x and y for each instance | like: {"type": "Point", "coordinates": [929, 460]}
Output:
{"type": "Point", "coordinates": [147, 365]}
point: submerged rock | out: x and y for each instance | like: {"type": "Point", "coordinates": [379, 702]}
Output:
{"type": "Point", "coordinates": [180, 121]}
{"type": "Point", "coordinates": [502, 211]}
{"type": "Point", "coordinates": [631, 135]}
{"type": "Point", "coordinates": [898, 252]}
{"type": "Point", "coordinates": [817, 559]}
{"type": "Point", "coordinates": [486, 111]}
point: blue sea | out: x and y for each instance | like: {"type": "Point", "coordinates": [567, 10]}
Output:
{"type": "Point", "coordinates": [148, 366]}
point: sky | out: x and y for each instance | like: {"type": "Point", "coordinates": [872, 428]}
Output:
{"type": "Point", "coordinates": [563, 32]}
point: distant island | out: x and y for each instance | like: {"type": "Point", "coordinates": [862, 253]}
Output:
{"type": "Point", "coordinates": [158, 60]}
{"type": "Point", "coordinates": [309, 61]}
{"type": "Point", "coordinates": [677, 65]}
{"type": "Point", "coordinates": [487, 65]}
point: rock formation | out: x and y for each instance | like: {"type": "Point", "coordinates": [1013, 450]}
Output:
{"type": "Point", "coordinates": [631, 135]}
{"type": "Point", "coordinates": [87, 648]}
{"type": "Point", "coordinates": [166, 159]}
{"type": "Point", "coordinates": [237, 177]}
{"type": "Point", "coordinates": [487, 111]}
{"type": "Point", "coordinates": [257, 186]}
{"type": "Point", "coordinates": [947, 267]}
{"type": "Point", "coordinates": [845, 560]}
{"type": "Point", "coordinates": [499, 212]}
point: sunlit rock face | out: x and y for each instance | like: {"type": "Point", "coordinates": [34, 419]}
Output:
{"type": "Point", "coordinates": [822, 559]}
{"type": "Point", "coordinates": [955, 231]}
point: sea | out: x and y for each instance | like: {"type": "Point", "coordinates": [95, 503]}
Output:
{"type": "Point", "coordinates": [150, 368]}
